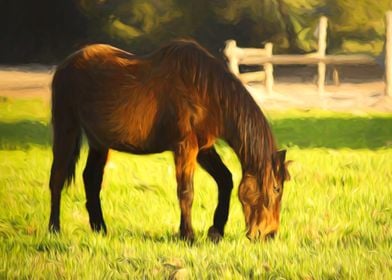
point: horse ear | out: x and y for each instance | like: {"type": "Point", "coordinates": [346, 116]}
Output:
{"type": "Point", "coordinates": [279, 158]}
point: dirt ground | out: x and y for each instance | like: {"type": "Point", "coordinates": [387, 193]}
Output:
{"type": "Point", "coordinates": [353, 96]}
{"type": "Point", "coordinates": [26, 81]}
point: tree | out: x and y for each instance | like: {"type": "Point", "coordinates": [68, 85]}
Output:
{"type": "Point", "coordinates": [39, 31]}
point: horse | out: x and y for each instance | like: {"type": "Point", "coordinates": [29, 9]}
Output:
{"type": "Point", "coordinates": [178, 98]}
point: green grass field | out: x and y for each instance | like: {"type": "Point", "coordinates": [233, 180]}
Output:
{"type": "Point", "coordinates": [335, 221]}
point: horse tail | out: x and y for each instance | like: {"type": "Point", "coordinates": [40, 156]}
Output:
{"type": "Point", "coordinates": [70, 175]}
{"type": "Point", "coordinates": [67, 132]}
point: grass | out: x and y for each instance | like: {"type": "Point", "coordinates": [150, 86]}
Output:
{"type": "Point", "coordinates": [336, 215]}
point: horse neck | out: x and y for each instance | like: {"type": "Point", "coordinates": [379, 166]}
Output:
{"type": "Point", "coordinates": [247, 131]}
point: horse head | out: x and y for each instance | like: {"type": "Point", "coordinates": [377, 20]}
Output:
{"type": "Point", "coordinates": [261, 198]}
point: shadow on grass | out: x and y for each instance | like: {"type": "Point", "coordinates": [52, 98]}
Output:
{"type": "Point", "coordinates": [22, 134]}
{"type": "Point", "coordinates": [164, 236]}
{"type": "Point", "coordinates": [354, 133]}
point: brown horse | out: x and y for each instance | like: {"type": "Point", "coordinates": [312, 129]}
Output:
{"type": "Point", "coordinates": [179, 98]}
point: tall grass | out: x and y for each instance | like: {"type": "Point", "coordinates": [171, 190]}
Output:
{"type": "Point", "coordinates": [336, 215]}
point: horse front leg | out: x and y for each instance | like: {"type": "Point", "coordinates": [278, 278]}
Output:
{"type": "Point", "coordinates": [185, 160]}
{"type": "Point", "coordinates": [211, 162]}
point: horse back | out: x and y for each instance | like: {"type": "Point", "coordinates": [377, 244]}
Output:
{"type": "Point", "coordinates": [127, 102]}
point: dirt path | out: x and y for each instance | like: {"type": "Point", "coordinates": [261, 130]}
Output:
{"type": "Point", "coordinates": [352, 97]}
{"type": "Point", "coordinates": [26, 81]}
{"type": "Point", "coordinates": [34, 81]}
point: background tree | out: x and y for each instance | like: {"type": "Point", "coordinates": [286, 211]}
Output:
{"type": "Point", "coordinates": [39, 31]}
{"type": "Point", "coordinates": [46, 30]}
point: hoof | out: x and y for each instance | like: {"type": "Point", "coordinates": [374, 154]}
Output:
{"type": "Point", "coordinates": [189, 237]}
{"type": "Point", "coordinates": [54, 229]}
{"type": "Point", "coordinates": [214, 235]}
{"type": "Point", "coordinates": [99, 228]}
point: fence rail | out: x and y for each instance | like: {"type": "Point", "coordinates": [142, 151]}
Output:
{"type": "Point", "coordinates": [286, 59]}
{"type": "Point", "coordinates": [264, 56]}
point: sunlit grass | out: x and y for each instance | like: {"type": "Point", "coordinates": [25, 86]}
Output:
{"type": "Point", "coordinates": [336, 215]}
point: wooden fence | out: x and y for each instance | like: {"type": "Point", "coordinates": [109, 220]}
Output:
{"type": "Point", "coordinates": [264, 56]}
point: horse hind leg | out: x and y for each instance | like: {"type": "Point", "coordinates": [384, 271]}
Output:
{"type": "Point", "coordinates": [66, 146]}
{"type": "Point", "coordinates": [209, 159]}
{"type": "Point", "coordinates": [92, 176]}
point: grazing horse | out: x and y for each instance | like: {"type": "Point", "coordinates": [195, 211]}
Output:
{"type": "Point", "coordinates": [178, 98]}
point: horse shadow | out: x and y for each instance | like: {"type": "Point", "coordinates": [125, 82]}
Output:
{"type": "Point", "coordinates": [334, 133]}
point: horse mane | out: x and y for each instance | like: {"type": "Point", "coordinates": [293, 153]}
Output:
{"type": "Point", "coordinates": [257, 141]}
{"type": "Point", "coordinates": [245, 126]}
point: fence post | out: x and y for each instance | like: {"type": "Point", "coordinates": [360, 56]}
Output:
{"type": "Point", "coordinates": [335, 77]}
{"type": "Point", "coordinates": [268, 68]}
{"type": "Point", "coordinates": [230, 53]}
{"type": "Point", "coordinates": [322, 46]}
{"type": "Point", "coordinates": [388, 54]}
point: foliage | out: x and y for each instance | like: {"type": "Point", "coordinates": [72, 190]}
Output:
{"type": "Point", "coordinates": [336, 215]}
{"type": "Point", "coordinates": [46, 31]}
{"type": "Point", "coordinates": [289, 24]}
{"type": "Point", "coordinates": [357, 21]}
{"type": "Point", "coordinates": [39, 31]}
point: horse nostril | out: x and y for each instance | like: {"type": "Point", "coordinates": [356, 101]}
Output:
{"type": "Point", "coordinates": [270, 235]}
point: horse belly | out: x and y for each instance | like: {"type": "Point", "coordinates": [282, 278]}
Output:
{"type": "Point", "coordinates": [131, 126]}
